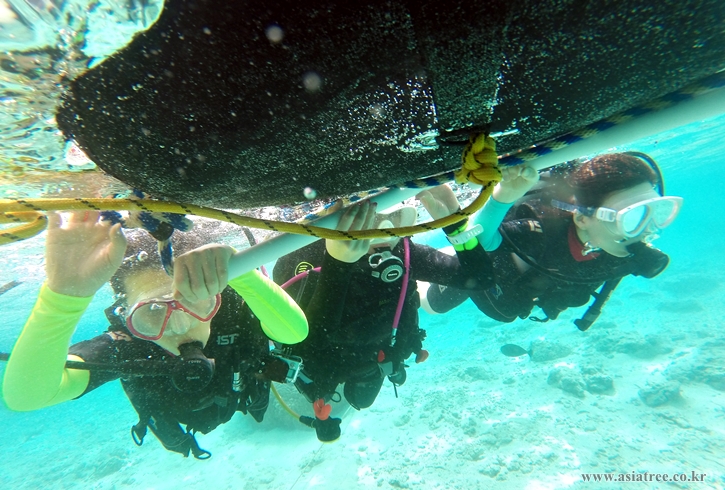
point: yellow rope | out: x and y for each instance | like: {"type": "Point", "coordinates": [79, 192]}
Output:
{"type": "Point", "coordinates": [479, 161]}
{"type": "Point", "coordinates": [36, 223]}
{"type": "Point", "coordinates": [479, 167]}
{"type": "Point", "coordinates": [282, 402]}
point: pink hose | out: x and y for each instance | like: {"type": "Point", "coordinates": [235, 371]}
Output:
{"type": "Point", "coordinates": [403, 288]}
{"type": "Point", "coordinates": [299, 276]}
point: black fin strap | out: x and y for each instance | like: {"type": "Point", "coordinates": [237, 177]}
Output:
{"type": "Point", "coordinates": [138, 431]}
{"type": "Point", "coordinates": [198, 452]}
{"type": "Point", "coordinates": [174, 438]}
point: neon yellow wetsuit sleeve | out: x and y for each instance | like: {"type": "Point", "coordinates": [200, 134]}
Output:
{"type": "Point", "coordinates": [36, 376]}
{"type": "Point", "coordinates": [282, 319]}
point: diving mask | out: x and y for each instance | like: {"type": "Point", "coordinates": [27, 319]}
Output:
{"type": "Point", "coordinates": [650, 215]}
{"type": "Point", "coordinates": [645, 216]}
{"type": "Point", "coordinates": [148, 319]}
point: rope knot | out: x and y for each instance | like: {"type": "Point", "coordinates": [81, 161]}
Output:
{"type": "Point", "coordinates": [479, 162]}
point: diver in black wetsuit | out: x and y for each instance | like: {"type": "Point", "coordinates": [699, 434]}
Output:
{"type": "Point", "coordinates": [351, 305]}
{"type": "Point", "coordinates": [189, 350]}
{"type": "Point", "coordinates": [233, 363]}
{"type": "Point", "coordinates": [555, 247]}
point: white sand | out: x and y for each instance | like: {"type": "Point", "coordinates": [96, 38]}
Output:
{"type": "Point", "coordinates": [467, 418]}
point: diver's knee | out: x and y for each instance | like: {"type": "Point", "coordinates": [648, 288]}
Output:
{"type": "Point", "coordinates": [362, 394]}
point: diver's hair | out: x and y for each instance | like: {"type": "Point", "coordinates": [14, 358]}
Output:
{"type": "Point", "coordinates": [142, 251]}
{"type": "Point", "coordinates": [594, 180]}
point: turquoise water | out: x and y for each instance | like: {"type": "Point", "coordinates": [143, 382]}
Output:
{"type": "Point", "coordinates": [468, 417]}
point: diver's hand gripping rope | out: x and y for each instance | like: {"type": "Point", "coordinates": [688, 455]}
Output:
{"type": "Point", "coordinates": [713, 83]}
{"type": "Point", "coordinates": [479, 166]}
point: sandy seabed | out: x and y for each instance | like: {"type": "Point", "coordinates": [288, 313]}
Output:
{"type": "Point", "coordinates": [643, 391]}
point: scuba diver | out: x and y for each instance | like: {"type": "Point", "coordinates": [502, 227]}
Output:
{"type": "Point", "coordinates": [189, 349]}
{"type": "Point", "coordinates": [588, 226]}
{"type": "Point", "coordinates": [361, 301]}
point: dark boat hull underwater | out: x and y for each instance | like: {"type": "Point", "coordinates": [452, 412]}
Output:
{"type": "Point", "coordinates": [247, 103]}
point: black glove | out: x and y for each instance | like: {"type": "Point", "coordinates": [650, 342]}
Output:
{"type": "Point", "coordinates": [553, 303]}
{"type": "Point", "coordinates": [648, 261]}
{"type": "Point", "coordinates": [328, 430]}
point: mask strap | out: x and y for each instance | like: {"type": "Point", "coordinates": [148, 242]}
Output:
{"type": "Point", "coordinates": [651, 162]}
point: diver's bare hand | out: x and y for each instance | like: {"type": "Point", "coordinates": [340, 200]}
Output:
{"type": "Point", "coordinates": [439, 201]}
{"type": "Point", "coordinates": [202, 272]}
{"type": "Point", "coordinates": [82, 254]}
{"type": "Point", "coordinates": [360, 216]}
{"type": "Point", "coordinates": [516, 182]}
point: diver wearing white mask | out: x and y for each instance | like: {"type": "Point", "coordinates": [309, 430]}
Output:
{"type": "Point", "coordinates": [553, 246]}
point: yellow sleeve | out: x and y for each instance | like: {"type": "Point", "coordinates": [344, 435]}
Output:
{"type": "Point", "coordinates": [36, 376]}
{"type": "Point", "coordinates": [282, 319]}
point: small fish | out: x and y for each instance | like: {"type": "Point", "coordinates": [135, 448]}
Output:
{"type": "Point", "coordinates": [513, 350]}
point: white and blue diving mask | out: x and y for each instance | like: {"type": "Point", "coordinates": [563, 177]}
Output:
{"type": "Point", "coordinates": [632, 219]}
{"type": "Point", "coordinates": [647, 216]}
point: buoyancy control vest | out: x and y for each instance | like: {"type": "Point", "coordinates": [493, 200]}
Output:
{"type": "Point", "coordinates": [535, 267]}
{"type": "Point", "coordinates": [243, 370]}
{"type": "Point", "coordinates": [351, 315]}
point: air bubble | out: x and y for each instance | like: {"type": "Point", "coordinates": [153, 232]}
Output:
{"type": "Point", "coordinates": [309, 193]}
{"type": "Point", "coordinates": [312, 81]}
{"type": "Point", "coordinates": [274, 33]}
